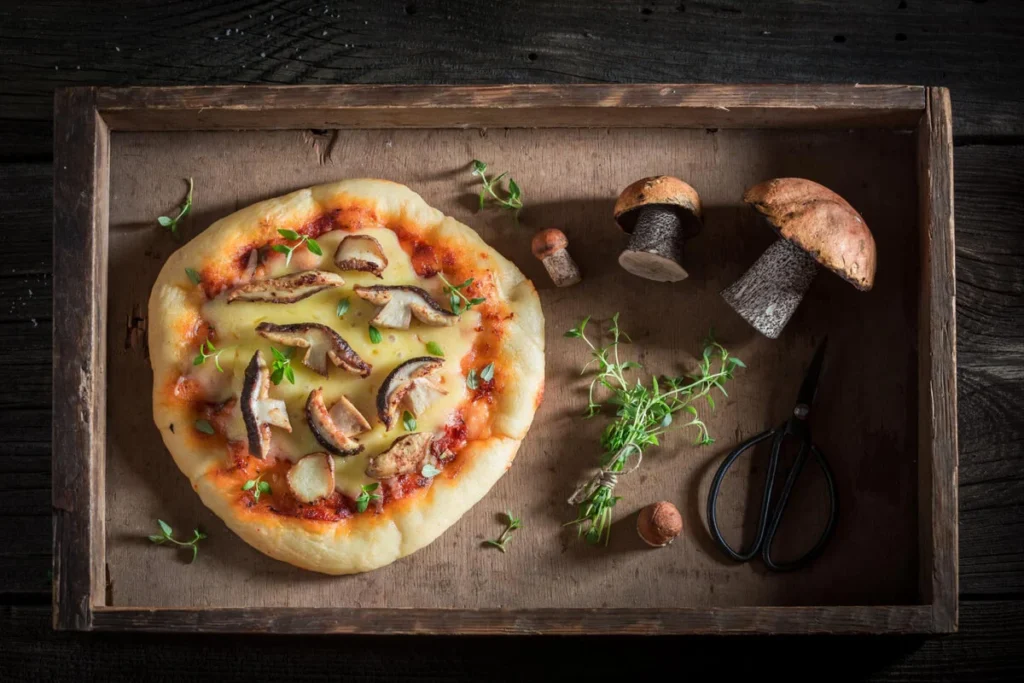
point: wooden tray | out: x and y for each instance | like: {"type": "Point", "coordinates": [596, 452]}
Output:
{"type": "Point", "coordinates": [886, 411]}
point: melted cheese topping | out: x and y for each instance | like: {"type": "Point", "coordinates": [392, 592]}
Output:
{"type": "Point", "coordinates": [235, 325]}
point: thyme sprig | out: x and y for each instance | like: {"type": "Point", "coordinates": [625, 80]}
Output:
{"type": "Point", "coordinates": [511, 525]}
{"type": "Point", "coordinates": [167, 535]}
{"type": "Point", "coordinates": [310, 243]}
{"type": "Point", "coordinates": [513, 199]}
{"type": "Point", "coordinates": [643, 414]}
{"type": "Point", "coordinates": [459, 302]}
{"type": "Point", "coordinates": [171, 223]}
{"type": "Point", "coordinates": [208, 350]}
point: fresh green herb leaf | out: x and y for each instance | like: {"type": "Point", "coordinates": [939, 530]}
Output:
{"type": "Point", "coordinates": [204, 426]}
{"type": "Point", "coordinates": [311, 244]}
{"type": "Point", "coordinates": [288, 234]}
{"type": "Point", "coordinates": [459, 302]}
{"type": "Point", "coordinates": [193, 275]}
{"type": "Point", "coordinates": [264, 487]}
{"type": "Point", "coordinates": [471, 380]}
{"type": "Point", "coordinates": [186, 206]}
{"type": "Point", "coordinates": [208, 350]}
{"type": "Point", "coordinates": [248, 485]}
{"type": "Point", "coordinates": [366, 495]}
{"type": "Point", "coordinates": [258, 487]}
{"type": "Point", "coordinates": [642, 415]}
{"type": "Point", "coordinates": [167, 535]}
{"type": "Point", "coordinates": [282, 366]}
{"type": "Point", "coordinates": [511, 525]}
{"type": "Point", "coordinates": [283, 249]}
{"type": "Point", "coordinates": [487, 374]}
{"type": "Point", "coordinates": [429, 471]}
{"type": "Point", "coordinates": [409, 421]}
{"type": "Point", "coordinates": [314, 246]}
{"type": "Point", "coordinates": [375, 336]}
{"type": "Point", "coordinates": [343, 307]}
{"type": "Point", "coordinates": [513, 199]}
{"type": "Point", "coordinates": [435, 349]}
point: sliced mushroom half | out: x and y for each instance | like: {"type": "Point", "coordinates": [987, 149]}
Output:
{"type": "Point", "coordinates": [332, 435]}
{"type": "Point", "coordinates": [312, 477]}
{"type": "Point", "coordinates": [286, 289]}
{"type": "Point", "coordinates": [361, 252]}
{"type": "Point", "coordinates": [404, 457]}
{"type": "Point", "coordinates": [399, 303]}
{"type": "Point", "coordinates": [411, 377]}
{"type": "Point", "coordinates": [322, 343]}
{"type": "Point", "coordinates": [259, 412]}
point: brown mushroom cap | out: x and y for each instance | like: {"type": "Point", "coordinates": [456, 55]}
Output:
{"type": "Point", "coordinates": [821, 223]}
{"type": "Point", "coordinates": [661, 190]}
{"type": "Point", "coordinates": [547, 242]}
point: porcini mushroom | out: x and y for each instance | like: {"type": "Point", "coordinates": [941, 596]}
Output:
{"type": "Point", "coordinates": [815, 226]}
{"type": "Point", "coordinates": [312, 477]}
{"type": "Point", "coordinates": [322, 343]}
{"type": "Point", "coordinates": [334, 428]}
{"type": "Point", "coordinates": [259, 411]}
{"type": "Point", "coordinates": [361, 252]}
{"type": "Point", "coordinates": [410, 383]}
{"type": "Point", "coordinates": [403, 457]}
{"type": "Point", "coordinates": [286, 289]}
{"type": "Point", "coordinates": [659, 523]}
{"type": "Point", "coordinates": [399, 303]}
{"type": "Point", "coordinates": [551, 247]}
{"type": "Point", "coordinates": [659, 213]}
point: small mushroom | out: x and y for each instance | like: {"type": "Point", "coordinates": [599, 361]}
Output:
{"type": "Point", "coordinates": [410, 383]}
{"type": "Point", "coordinates": [286, 289]}
{"type": "Point", "coordinates": [361, 252]}
{"type": "Point", "coordinates": [403, 457]}
{"type": "Point", "coordinates": [551, 247]}
{"type": "Point", "coordinates": [259, 412]}
{"type": "Point", "coordinates": [659, 213]}
{"type": "Point", "coordinates": [312, 477]}
{"type": "Point", "coordinates": [322, 343]}
{"type": "Point", "coordinates": [659, 523]}
{"type": "Point", "coordinates": [815, 226]}
{"type": "Point", "coordinates": [399, 303]}
{"type": "Point", "coordinates": [335, 435]}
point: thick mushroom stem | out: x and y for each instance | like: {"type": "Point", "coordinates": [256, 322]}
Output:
{"type": "Point", "coordinates": [655, 249]}
{"type": "Point", "coordinates": [771, 289]}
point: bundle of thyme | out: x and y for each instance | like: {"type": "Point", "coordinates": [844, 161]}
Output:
{"type": "Point", "coordinates": [643, 413]}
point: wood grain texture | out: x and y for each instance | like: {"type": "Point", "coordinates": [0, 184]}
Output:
{"type": "Point", "coordinates": [79, 258]}
{"type": "Point", "coordinates": [937, 361]}
{"type": "Point", "coordinates": [564, 106]}
{"type": "Point", "coordinates": [48, 45]}
{"type": "Point", "coordinates": [987, 648]}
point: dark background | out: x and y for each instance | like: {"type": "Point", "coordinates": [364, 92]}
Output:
{"type": "Point", "coordinates": [974, 48]}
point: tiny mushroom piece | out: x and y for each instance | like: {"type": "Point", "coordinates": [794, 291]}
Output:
{"type": "Point", "coordinates": [322, 343]}
{"type": "Point", "coordinates": [335, 435]}
{"type": "Point", "coordinates": [399, 303]}
{"type": "Point", "coordinates": [403, 457]}
{"type": "Point", "coordinates": [551, 247]}
{"type": "Point", "coordinates": [410, 383]}
{"type": "Point", "coordinates": [312, 477]}
{"type": "Point", "coordinates": [259, 412]}
{"type": "Point", "coordinates": [814, 226]}
{"type": "Point", "coordinates": [286, 289]}
{"type": "Point", "coordinates": [361, 252]}
{"type": "Point", "coordinates": [659, 523]}
{"type": "Point", "coordinates": [659, 213]}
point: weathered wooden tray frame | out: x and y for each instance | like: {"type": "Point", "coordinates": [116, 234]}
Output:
{"type": "Point", "coordinates": [85, 118]}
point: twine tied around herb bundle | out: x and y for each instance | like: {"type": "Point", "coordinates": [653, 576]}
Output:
{"type": "Point", "coordinates": [605, 476]}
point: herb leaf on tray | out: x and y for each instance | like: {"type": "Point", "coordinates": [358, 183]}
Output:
{"type": "Point", "coordinates": [513, 199]}
{"type": "Point", "coordinates": [643, 413]}
{"type": "Point", "coordinates": [166, 535]}
{"type": "Point", "coordinates": [186, 206]}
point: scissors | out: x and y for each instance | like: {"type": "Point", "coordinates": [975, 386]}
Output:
{"type": "Point", "coordinates": [768, 523]}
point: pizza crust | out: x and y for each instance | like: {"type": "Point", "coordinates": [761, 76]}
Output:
{"type": "Point", "coordinates": [368, 540]}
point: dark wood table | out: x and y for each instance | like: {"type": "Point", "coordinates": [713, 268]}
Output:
{"type": "Point", "coordinates": [974, 48]}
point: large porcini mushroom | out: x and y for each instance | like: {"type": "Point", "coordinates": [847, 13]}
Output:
{"type": "Point", "coordinates": [322, 343]}
{"type": "Point", "coordinates": [815, 225]}
{"type": "Point", "coordinates": [410, 384]}
{"type": "Point", "coordinates": [334, 428]}
{"type": "Point", "coordinates": [659, 213]}
{"type": "Point", "coordinates": [361, 252]}
{"type": "Point", "coordinates": [399, 303]}
{"type": "Point", "coordinates": [286, 289]}
{"type": "Point", "coordinates": [312, 477]}
{"type": "Point", "coordinates": [403, 457]}
{"type": "Point", "coordinates": [259, 411]}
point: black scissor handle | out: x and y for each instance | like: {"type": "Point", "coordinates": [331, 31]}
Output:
{"type": "Point", "coordinates": [780, 508]}
{"type": "Point", "coordinates": [716, 485]}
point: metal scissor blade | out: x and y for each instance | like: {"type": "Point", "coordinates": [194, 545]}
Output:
{"type": "Point", "coordinates": [810, 383]}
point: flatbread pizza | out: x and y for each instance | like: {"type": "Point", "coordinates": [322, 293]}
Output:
{"type": "Point", "coordinates": [342, 372]}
